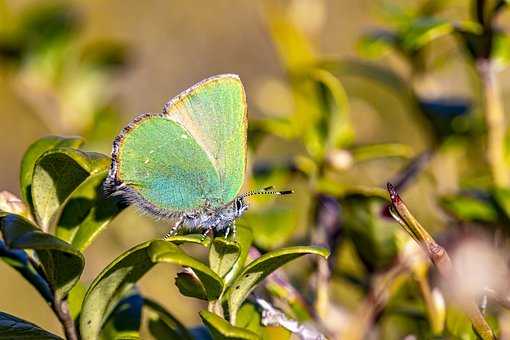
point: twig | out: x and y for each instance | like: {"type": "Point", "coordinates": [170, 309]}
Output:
{"type": "Point", "coordinates": [327, 233]}
{"type": "Point", "coordinates": [495, 120]}
{"type": "Point", "coordinates": [412, 169]}
{"type": "Point", "coordinates": [273, 317]}
{"type": "Point", "coordinates": [61, 309]}
{"type": "Point", "coordinates": [438, 256]}
{"type": "Point", "coordinates": [377, 297]}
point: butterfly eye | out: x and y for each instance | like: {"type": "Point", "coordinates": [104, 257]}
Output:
{"type": "Point", "coordinates": [238, 205]}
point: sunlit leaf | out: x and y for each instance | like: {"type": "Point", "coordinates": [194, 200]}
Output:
{"type": "Point", "coordinates": [222, 330]}
{"type": "Point", "coordinates": [332, 129]}
{"type": "Point", "coordinates": [223, 255]}
{"type": "Point", "coordinates": [190, 238]}
{"type": "Point", "coordinates": [13, 328]}
{"type": "Point", "coordinates": [68, 194]}
{"type": "Point", "coordinates": [57, 174]}
{"type": "Point", "coordinates": [248, 318]}
{"type": "Point", "coordinates": [62, 263]}
{"type": "Point", "coordinates": [34, 152]}
{"type": "Point", "coordinates": [75, 299]}
{"type": "Point", "coordinates": [424, 30]}
{"type": "Point", "coordinates": [377, 43]}
{"type": "Point", "coordinates": [244, 239]}
{"type": "Point", "coordinates": [470, 208]}
{"type": "Point", "coordinates": [126, 270]}
{"type": "Point", "coordinates": [293, 46]}
{"type": "Point", "coordinates": [501, 50]}
{"type": "Point", "coordinates": [259, 269]}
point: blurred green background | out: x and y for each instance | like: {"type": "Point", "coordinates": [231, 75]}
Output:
{"type": "Point", "coordinates": [113, 59]}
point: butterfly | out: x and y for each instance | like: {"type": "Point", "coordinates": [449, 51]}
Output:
{"type": "Point", "coordinates": [188, 163]}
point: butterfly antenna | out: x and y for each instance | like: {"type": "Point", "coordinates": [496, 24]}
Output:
{"type": "Point", "coordinates": [267, 191]}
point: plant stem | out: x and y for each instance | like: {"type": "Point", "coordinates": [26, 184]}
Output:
{"type": "Point", "coordinates": [382, 288]}
{"type": "Point", "coordinates": [495, 121]}
{"type": "Point", "coordinates": [61, 310]}
{"type": "Point", "coordinates": [439, 258]}
{"type": "Point", "coordinates": [325, 233]}
{"type": "Point", "coordinates": [435, 315]}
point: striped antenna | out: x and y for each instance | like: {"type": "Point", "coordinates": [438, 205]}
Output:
{"type": "Point", "coordinates": [267, 191]}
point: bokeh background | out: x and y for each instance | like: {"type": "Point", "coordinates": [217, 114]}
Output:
{"type": "Point", "coordinates": [114, 59]}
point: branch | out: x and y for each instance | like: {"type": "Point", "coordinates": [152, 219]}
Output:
{"type": "Point", "coordinates": [273, 317]}
{"type": "Point", "coordinates": [438, 256]}
{"type": "Point", "coordinates": [61, 310]}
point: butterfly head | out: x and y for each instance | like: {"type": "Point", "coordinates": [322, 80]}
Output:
{"type": "Point", "coordinates": [240, 206]}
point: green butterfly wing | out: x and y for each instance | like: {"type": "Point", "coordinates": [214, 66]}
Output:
{"type": "Point", "coordinates": [214, 113]}
{"type": "Point", "coordinates": [195, 151]}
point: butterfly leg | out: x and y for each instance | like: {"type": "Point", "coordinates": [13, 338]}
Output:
{"type": "Point", "coordinates": [206, 232]}
{"type": "Point", "coordinates": [174, 229]}
{"type": "Point", "coordinates": [232, 228]}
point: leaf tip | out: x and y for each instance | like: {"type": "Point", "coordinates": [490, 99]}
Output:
{"type": "Point", "coordinates": [394, 196]}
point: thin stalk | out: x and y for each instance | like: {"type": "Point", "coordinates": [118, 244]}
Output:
{"type": "Point", "coordinates": [381, 291]}
{"type": "Point", "coordinates": [436, 315]}
{"type": "Point", "coordinates": [325, 233]}
{"type": "Point", "coordinates": [439, 258]}
{"type": "Point", "coordinates": [495, 121]}
{"type": "Point", "coordinates": [61, 310]}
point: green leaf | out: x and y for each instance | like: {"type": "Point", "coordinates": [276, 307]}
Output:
{"type": "Point", "coordinates": [57, 174]}
{"type": "Point", "coordinates": [46, 24]}
{"type": "Point", "coordinates": [189, 285]}
{"type": "Point", "coordinates": [502, 198]}
{"type": "Point", "coordinates": [190, 238]}
{"type": "Point", "coordinates": [332, 129]}
{"type": "Point", "coordinates": [249, 318]}
{"type": "Point", "coordinates": [244, 238]}
{"type": "Point", "coordinates": [33, 152]}
{"type": "Point", "coordinates": [378, 43]}
{"type": "Point", "coordinates": [222, 255]}
{"type": "Point", "coordinates": [384, 76]}
{"type": "Point", "coordinates": [274, 225]}
{"type": "Point", "coordinates": [259, 269]}
{"type": "Point", "coordinates": [86, 212]}
{"type": "Point", "coordinates": [75, 299]}
{"type": "Point", "coordinates": [469, 208]}
{"type": "Point", "coordinates": [379, 151]}
{"type": "Point", "coordinates": [501, 49]}
{"type": "Point", "coordinates": [459, 325]}
{"type": "Point", "coordinates": [164, 325]}
{"type": "Point", "coordinates": [125, 320]}
{"type": "Point", "coordinates": [13, 328]}
{"type": "Point", "coordinates": [222, 330]}
{"type": "Point", "coordinates": [62, 263]}
{"type": "Point", "coordinates": [18, 259]}
{"type": "Point", "coordinates": [108, 287]}
{"type": "Point", "coordinates": [163, 251]}
{"type": "Point", "coordinates": [424, 30]}
{"type": "Point", "coordinates": [68, 194]}
{"type": "Point", "coordinates": [373, 236]}
{"type": "Point", "coordinates": [293, 46]}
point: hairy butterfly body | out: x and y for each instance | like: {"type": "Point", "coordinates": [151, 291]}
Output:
{"type": "Point", "coordinates": [188, 162]}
